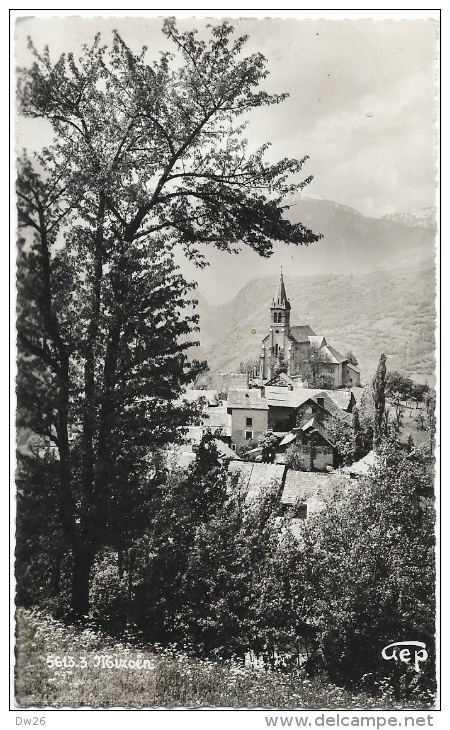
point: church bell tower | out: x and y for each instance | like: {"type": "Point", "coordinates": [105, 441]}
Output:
{"type": "Point", "coordinates": [280, 313]}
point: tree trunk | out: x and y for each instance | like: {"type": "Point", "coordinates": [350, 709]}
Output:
{"type": "Point", "coordinates": [90, 355]}
{"type": "Point", "coordinates": [83, 559]}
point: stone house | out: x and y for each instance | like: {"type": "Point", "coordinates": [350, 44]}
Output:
{"type": "Point", "coordinates": [249, 414]}
{"type": "Point", "coordinates": [315, 446]}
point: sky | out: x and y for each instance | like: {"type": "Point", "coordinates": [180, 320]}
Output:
{"type": "Point", "coordinates": [362, 103]}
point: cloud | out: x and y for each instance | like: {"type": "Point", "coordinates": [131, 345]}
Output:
{"type": "Point", "coordinates": [362, 97]}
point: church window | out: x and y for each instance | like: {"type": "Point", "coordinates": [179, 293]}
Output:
{"type": "Point", "coordinates": [249, 422]}
{"type": "Point", "coordinates": [276, 350]}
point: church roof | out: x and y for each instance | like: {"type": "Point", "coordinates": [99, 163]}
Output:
{"type": "Point", "coordinates": [317, 340]}
{"type": "Point", "coordinates": [301, 332]}
{"type": "Point", "coordinates": [280, 299]}
{"type": "Point", "coordinates": [335, 356]}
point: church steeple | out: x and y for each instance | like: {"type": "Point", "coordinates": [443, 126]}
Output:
{"type": "Point", "coordinates": [280, 300]}
{"type": "Point", "coordinates": [280, 314]}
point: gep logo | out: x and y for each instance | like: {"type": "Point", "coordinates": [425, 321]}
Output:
{"type": "Point", "coordinates": [409, 653]}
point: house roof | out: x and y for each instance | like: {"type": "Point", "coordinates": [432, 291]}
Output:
{"type": "Point", "coordinates": [193, 435]}
{"type": "Point", "coordinates": [353, 367]}
{"type": "Point", "coordinates": [313, 425]}
{"type": "Point", "coordinates": [177, 456]}
{"type": "Point", "coordinates": [255, 476]}
{"type": "Point", "coordinates": [341, 397]}
{"type": "Point", "coordinates": [226, 380]}
{"type": "Point", "coordinates": [224, 451]}
{"type": "Point", "coordinates": [285, 398]}
{"type": "Point", "coordinates": [304, 485]}
{"type": "Point", "coordinates": [248, 398]}
{"type": "Point", "coordinates": [282, 380]}
{"type": "Point", "coordinates": [332, 407]}
{"type": "Point", "coordinates": [288, 439]}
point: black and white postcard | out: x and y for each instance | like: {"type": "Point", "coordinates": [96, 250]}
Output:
{"type": "Point", "coordinates": [227, 365]}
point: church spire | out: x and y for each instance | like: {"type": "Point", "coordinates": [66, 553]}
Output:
{"type": "Point", "coordinates": [280, 299]}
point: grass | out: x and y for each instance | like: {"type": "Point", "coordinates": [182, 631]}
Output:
{"type": "Point", "coordinates": [167, 680]}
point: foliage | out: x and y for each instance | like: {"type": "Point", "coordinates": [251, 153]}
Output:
{"type": "Point", "coordinates": [243, 450]}
{"type": "Point", "coordinates": [294, 459]}
{"type": "Point", "coordinates": [147, 157]}
{"type": "Point", "coordinates": [313, 366]}
{"type": "Point", "coordinates": [269, 443]}
{"type": "Point", "coordinates": [351, 358]}
{"type": "Point", "coordinates": [341, 436]}
{"type": "Point", "coordinates": [169, 679]}
{"type": "Point", "coordinates": [371, 571]}
{"type": "Point", "coordinates": [251, 365]}
{"type": "Point", "coordinates": [430, 409]}
{"type": "Point", "coordinates": [42, 561]}
{"type": "Point", "coordinates": [419, 392]}
{"type": "Point", "coordinates": [379, 399]}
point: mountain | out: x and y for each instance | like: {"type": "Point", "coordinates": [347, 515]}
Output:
{"type": "Point", "coordinates": [424, 218]}
{"type": "Point", "coordinates": [355, 243]}
{"type": "Point", "coordinates": [389, 311]}
{"type": "Point", "coordinates": [351, 244]}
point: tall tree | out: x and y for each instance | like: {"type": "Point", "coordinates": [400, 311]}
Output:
{"type": "Point", "coordinates": [379, 398]}
{"type": "Point", "coordinates": [147, 157]}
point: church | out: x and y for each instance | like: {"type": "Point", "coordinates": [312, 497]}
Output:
{"type": "Point", "coordinates": [298, 351]}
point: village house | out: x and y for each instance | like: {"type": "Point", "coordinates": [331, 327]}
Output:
{"type": "Point", "coordinates": [313, 445]}
{"type": "Point", "coordinates": [301, 351]}
{"type": "Point", "coordinates": [249, 414]}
